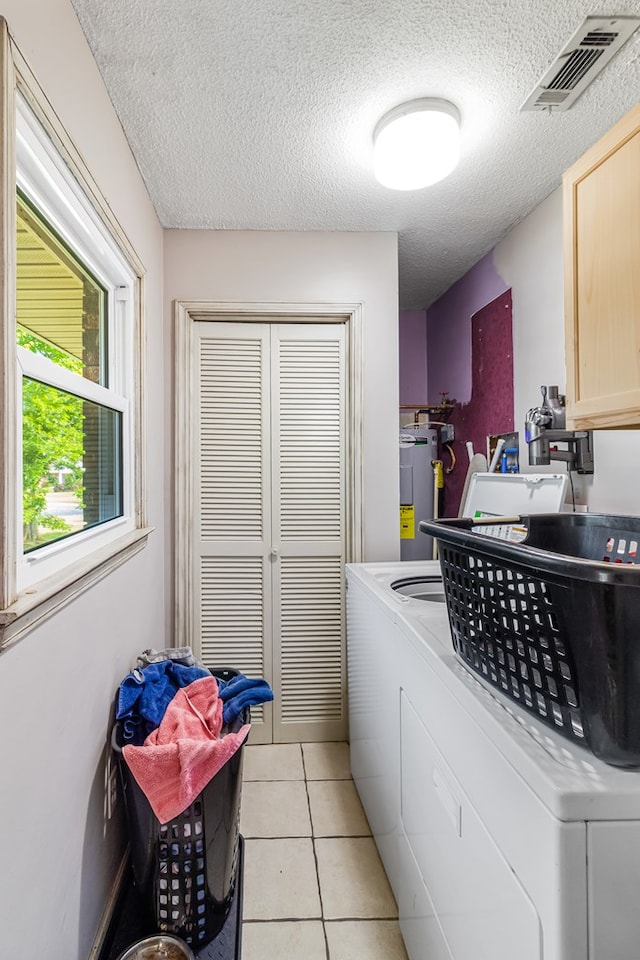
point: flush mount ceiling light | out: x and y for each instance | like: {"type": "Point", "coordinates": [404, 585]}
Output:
{"type": "Point", "coordinates": [416, 144]}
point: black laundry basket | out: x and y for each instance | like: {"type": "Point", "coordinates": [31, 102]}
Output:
{"type": "Point", "coordinates": [186, 869]}
{"type": "Point", "coordinates": [552, 621]}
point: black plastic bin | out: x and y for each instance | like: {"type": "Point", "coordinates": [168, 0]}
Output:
{"type": "Point", "coordinates": [186, 869]}
{"type": "Point", "coordinates": [552, 621]}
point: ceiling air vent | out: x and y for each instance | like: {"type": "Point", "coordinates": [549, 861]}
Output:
{"type": "Point", "coordinates": [587, 53]}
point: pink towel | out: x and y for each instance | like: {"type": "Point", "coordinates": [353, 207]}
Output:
{"type": "Point", "coordinates": [180, 757]}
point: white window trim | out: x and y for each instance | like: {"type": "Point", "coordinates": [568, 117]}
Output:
{"type": "Point", "coordinates": [37, 367]}
{"type": "Point", "coordinates": [108, 548]}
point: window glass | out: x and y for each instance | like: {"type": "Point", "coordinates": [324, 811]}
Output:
{"type": "Point", "coordinates": [61, 308]}
{"type": "Point", "coordinates": [71, 445]}
{"type": "Point", "coordinates": [71, 464]}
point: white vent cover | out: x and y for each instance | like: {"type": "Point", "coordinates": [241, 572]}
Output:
{"type": "Point", "coordinates": [587, 53]}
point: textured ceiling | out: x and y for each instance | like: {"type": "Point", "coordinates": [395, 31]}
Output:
{"type": "Point", "coordinates": [258, 115]}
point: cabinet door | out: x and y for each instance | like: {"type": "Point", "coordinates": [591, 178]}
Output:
{"type": "Point", "coordinates": [602, 280]}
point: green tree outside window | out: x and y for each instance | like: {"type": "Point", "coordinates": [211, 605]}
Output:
{"type": "Point", "coordinates": [52, 441]}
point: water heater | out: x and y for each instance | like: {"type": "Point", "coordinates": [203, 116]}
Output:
{"type": "Point", "coordinates": [418, 447]}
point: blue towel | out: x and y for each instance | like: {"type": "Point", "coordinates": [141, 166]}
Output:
{"type": "Point", "coordinates": [133, 730]}
{"type": "Point", "coordinates": [148, 692]}
{"type": "Point", "coordinates": [241, 692]}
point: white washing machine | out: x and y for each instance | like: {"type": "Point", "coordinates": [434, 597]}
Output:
{"type": "Point", "coordinates": [501, 838]}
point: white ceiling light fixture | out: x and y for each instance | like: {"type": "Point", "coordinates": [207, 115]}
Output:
{"type": "Point", "coordinates": [416, 144]}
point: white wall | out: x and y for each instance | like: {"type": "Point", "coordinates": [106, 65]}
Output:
{"type": "Point", "coordinates": [57, 684]}
{"type": "Point", "coordinates": [530, 260]}
{"type": "Point", "coordinates": [314, 267]}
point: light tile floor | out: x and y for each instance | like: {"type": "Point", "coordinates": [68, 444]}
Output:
{"type": "Point", "coordinates": [314, 887]}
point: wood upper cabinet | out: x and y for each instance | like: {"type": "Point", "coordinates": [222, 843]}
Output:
{"type": "Point", "coordinates": [602, 281]}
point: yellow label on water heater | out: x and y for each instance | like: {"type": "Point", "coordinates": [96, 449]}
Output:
{"type": "Point", "coordinates": [407, 522]}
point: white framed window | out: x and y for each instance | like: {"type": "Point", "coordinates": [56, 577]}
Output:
{"type": "Point", "coordinates": [75, 318]}
{"type": "Point", "coordinates": [72, 478]}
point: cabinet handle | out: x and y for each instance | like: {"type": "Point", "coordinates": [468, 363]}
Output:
{"type": "Point", "coordinates": [274, 552]}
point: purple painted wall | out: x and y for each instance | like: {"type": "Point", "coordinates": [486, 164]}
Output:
{"type": "Point", "coordinates": [449, 330]}
{"type": "Point", "coordinates": [413, 358]}
{"type": "Point", "coordinates": [490, 409]}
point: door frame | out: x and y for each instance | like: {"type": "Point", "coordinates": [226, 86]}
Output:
{"type": "Point", "coordinates": [188, 312]}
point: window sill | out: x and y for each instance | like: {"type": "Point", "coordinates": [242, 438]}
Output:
{"type": "Point", "coordinates": [36, 604]}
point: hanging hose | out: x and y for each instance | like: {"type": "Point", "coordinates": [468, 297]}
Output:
{"type": "Point", "coordinates": [438, 484]}
{"type": "Point", "coordinates": [453, 458]}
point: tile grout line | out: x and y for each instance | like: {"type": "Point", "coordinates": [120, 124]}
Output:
{"type": "Point", "coordinates": [315, 855]}
{"type": "Point", "coordinates": [314, 836]}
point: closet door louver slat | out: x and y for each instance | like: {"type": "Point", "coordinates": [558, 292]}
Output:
{"type": "Point", "coordinates": [231, 439]}
{"type": "Point", "coordinates": [311, 628]}
{"type": "Point", "coordinates": [308, 523]}
{"type": "Point", "coordinates": [232, 496]}
{"type": "Point", "coordinates": [310, 433]}
{"type": "Point", "coordinates": [233, 615]}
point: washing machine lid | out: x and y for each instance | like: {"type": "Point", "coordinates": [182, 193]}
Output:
{"type": "Point", "coordinates": [512, 494]}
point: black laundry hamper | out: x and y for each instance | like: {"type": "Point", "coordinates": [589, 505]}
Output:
{"type": "Point", "coordinates": [552, 621]}
{"type": "Point", "coordinates": [186, 870]}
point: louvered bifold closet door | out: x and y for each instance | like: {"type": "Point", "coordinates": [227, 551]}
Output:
{"type": "Point", "coordinates": [308, 504]}
{"type": "Point", "coordinates": [232, 500]}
